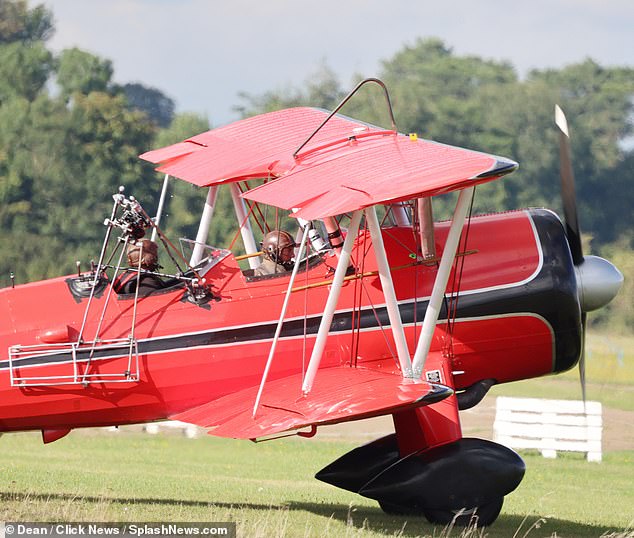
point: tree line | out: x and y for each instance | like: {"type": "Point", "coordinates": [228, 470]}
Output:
{"type": "Point", "coordinates": [69, 136]}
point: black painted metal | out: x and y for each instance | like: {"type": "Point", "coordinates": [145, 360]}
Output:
{"type": "Point", "coordinates": [467, 473]}
{"type": "Point", "coordinates": [463, 474]}
{"type": "Point", "coordinates": [474, 394]}
{"type": "Point", "coordinates": [356, 468]}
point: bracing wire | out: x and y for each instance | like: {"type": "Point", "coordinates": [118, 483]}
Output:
{"type": "Point", "coordinates": [305, 340]}
{"type": "Point", "coordinates": [451, 303]}
{"type": "Point", "coordinates": [357, 295]}
{"type": "Point", "coordinates": [244, 221]}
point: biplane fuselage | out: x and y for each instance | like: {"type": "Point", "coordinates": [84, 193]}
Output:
{"type": "Point", "coordinates": [516, 318]}
{"type": "Point", "coordinates": [411, 318]}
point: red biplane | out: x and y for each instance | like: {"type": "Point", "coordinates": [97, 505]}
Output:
{"type": "Point", "coordinates": [383, 312]}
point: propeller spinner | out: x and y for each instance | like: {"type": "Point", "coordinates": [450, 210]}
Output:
{"type": "Point", "coordinates": [598, 280]}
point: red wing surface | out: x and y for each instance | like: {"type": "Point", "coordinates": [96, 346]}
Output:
{"type": "Point", "coordinates": [260, 146]}
{"type": "Point", "coordinates": [347, 165]}
{"type": "Point", "coordinates": [373, 169]}
{"type": "Point", "coordinates": [340, 394]}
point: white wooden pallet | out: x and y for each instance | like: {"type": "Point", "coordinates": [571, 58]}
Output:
{"type": "Point", "coordinates": [549, 426]}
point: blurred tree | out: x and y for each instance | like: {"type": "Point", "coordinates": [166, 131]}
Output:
{"type": "Point", "coordinates": [81, 72]}
{"type": "Point", "coordinates": [599, 104]}
{"type": "Point", "coordinates": [482, 105]}
{"type": "Point", "coordinates": [24, 70]}
{"type": "Point", "coordinates": [158, 107]}
{"type": "Point", "coordinates": [25, 63]}
{"type": "Point", "coordinates": [439, 94]}
{"type": "Point", "coordinates": [182, 127]}
{"type": "Point", "coordinates": [618, 316]}
{"type": "Point", "coordinates": [58, 170]}
{"type": "Point", "coordinates": [322, 89]}
{"type": "Point", "coordinates": [32, 141]}
{"type": "Point", "coordinates": [18, 23]}
{"type": "Point", "coordinates": [62, 158]}
{"type": "Point", "coordinates": [183, 209]}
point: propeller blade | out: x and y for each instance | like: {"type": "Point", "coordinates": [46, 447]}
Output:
{"type": "Point", "coordinates": [568, 196]}
{"type": "Point", "coordinates": [582, 359]}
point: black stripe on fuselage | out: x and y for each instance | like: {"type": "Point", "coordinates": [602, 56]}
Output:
{"type": "Point", "coordinates": [551, 295]}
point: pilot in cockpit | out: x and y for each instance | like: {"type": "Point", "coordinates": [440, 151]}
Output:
{"type": "Point", "coordinates": [278, 248]}
{"type": "Point", "coordinates": [147, 250]}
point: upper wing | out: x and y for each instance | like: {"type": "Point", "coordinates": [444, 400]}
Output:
{"type": "Point", "coordinates": [377, 168]}
{"type": "Point", "coordinates": [340, 394]}
{"type": "Point", "coordinates": [347, 165]}
{"type": "Point", "coordinates": [260, 146]}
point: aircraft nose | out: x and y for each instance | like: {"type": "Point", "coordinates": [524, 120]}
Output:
{"type": "Point", "coordinates": [598, 282]}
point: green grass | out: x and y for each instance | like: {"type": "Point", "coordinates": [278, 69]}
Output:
{"type": "Point", "coordinates": [269, 489]}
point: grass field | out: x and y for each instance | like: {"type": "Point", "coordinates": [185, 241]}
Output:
{"type": "Point", "coordinates": [268, 489]}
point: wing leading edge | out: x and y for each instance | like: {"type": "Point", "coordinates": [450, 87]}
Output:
{"type": "Point", "coordinates": [341, 394]}
{"type": "Point", "coordinates": [348, 165]}
{"type": "Point", "coordinates": [377, 169]}
{"type": "Point", "coordinates": [261, 146]}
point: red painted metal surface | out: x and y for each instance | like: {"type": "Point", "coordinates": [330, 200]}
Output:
{"type": "Point", "coordinates": [341, 394]}
{"type": "Point", "coordinates": [190, 356]}
{"type": "Point", "coordinates": [421, 428]}
{"type": "Point", "coordinates": [347, 165]}
{"type": "Point", "coordinates": [384, 168]}
{"type": "Point", "coordinates": [260, 146]}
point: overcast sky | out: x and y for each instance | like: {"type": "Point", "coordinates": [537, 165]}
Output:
{"type": "Point", "coordinates": [202, 53]}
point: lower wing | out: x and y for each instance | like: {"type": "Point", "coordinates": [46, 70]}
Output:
{"type": "Point", "coordinates": [340, 394]}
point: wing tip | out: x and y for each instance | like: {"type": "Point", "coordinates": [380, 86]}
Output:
{"type": "Point", "coordinates": [501, 167]}
{"type": "Point", "coordinates": [438, 392]}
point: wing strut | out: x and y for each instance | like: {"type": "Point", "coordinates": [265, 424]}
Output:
{"type": "Point", "coordinates": [331, 304]}
{"type": "Point", "coordinates": [388, 291]}
{"type": "Point", "coordinates": [203, 227]}
{"type": "Point", "coordinates": [159, 210]}
{"type": "Point", "coordinates": [278, 330]}
{"type": "Point", "coordinates": [440, 284]}
{"type": "Point", "coordinates": [245, 226]}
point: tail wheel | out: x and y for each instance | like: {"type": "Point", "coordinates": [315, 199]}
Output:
{"type": "Point", "coordinates": [483, 515]}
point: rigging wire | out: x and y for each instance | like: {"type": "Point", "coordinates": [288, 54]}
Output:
{"type": "Point", "coordinates": [418, 253]}
{"type": "Point", "coordinates": [244, 221]}
{"type": "Point", "coordinates": [451, 302]}
{"type": "Point", "coordinates": [253, 205]}
{"type": "Point", "coordinates": [305, 342]}
{"type": "Point", "coordinates": [357, 298]}
{"type": "Point", "coordinates": [367, 245]}
{"type": "Point", "coordinates": [390, 349]}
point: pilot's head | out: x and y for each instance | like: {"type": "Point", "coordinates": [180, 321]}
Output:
{"type": "Point", "coordinates": [148, 250]}
{"type": "Point", "coordinates": [278, 246]}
